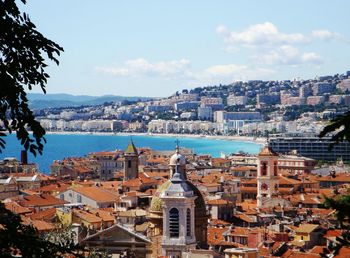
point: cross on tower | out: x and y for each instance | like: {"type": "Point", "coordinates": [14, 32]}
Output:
{"type": "Point", "coordinates": [177, 145]}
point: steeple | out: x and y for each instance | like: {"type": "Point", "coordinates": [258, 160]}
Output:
{"type": "Point", "coordinates": [131, 149]}
{"type": "Point", "coordinates": [267, 176]}
{"type": "Point", "coordinates": [131, 161]}
{"type": "Point", "coordinates": [178, 210]}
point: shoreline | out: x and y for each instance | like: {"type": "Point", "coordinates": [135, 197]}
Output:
{"type": "Point", "coordinates": [258, 140]}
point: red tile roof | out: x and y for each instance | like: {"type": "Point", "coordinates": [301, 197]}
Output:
{"type": "Point", "coordinates": [97, 194]}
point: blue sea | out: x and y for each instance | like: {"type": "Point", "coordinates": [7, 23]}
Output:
{"type": "Point", "coordinates": [59, 146]}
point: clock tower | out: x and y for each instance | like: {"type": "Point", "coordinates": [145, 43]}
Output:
{"type": "Point", "coordinates": [267, 176]}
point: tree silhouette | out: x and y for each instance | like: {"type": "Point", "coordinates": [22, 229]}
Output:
{"type": "Point", "coordinates": [339, 127]}
{"type": "Point", "coordinates": [19, 239]}
{"type": "Point", "coordinates": [22, 67]}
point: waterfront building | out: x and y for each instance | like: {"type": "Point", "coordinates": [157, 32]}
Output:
{"type": "Point", "coordinates": [205, 113]}
{"type": "Point", "coordinates": [158, 108]}
{"type": "Point", "coordinates": [315, 100]}
{"type": "Point", "coordinates": [305, 91]}
{"type": "Point", "coordinates": [268, 99]}
{"type": "Point", "coordinates": [320, 88]}
{"type": "Point", "coordinates": [233, 100]}
{"type": "Point", "coordinates": [222, 116]}
{"type": "Point", "coordinates": [310, 145]}
{"type": "Point", "coordinates": [186, 106]}
{"type": "Point", "coordinates": [344, 85]}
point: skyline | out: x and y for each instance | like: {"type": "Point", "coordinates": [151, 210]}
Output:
{"type": "Point", "coordinates": [155, 49]}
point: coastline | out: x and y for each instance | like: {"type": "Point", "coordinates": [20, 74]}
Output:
{"type": "Point", "coordinates": [257, 140]}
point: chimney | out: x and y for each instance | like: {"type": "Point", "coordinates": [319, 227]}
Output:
{"type": "Point", "coordinates": [24, 157]}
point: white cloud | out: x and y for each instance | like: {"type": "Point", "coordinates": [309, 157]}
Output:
{"type": "Point", "coordinates": [324, 34]}
{"type": "Point", "coordinates": [259, 35]}
{"type": "Point", "coordinates": [222, 30]}
{"type": "Point", "coordinates": [224, 70]}
{"type": "Point", "coordinates": [181, 71]}
{"type": "Point", "coordinates": [141, 66]}
{"type": "Point", "coordinates": [229, 73]}
{"type": "Point", "coordinates": [311, 57]}
{"type": "Point", "coordinates": [288, 55]}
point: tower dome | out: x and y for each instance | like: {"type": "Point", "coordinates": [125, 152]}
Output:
{"type": "Point", "coordinates": [156, 205]}
{"type": "Point", "coordinates": [177, 159]}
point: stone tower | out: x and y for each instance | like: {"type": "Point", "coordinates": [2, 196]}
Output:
{"type": "Point", "coordinates": [267, 177]}
{"type": "Point", "coordinates": [178, 211]}
{"type": "Point", "coordinates": [131, 162]}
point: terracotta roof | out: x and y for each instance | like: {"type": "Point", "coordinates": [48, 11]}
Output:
{"type": "Point", "coordinates": [40, 225]}
{"type": "Point", "coordinates": [219, 222]}
{"type": "Point", "coordinates": [87, 216]}
{"type": "Point", "coordinates": [39, 200]}
{"type": "Point", "coordinates": [239, 231]}
{"type": "Point", "coordinates": [296, 254]}
{"type": "Point", "coordinates": [243, 168]}
{"type": "Point", "coordinates": [306, 228]}
{"type": "Point", "coordinates": [54, 188]}
{"type": "Point", "coordinates": [343, 177]}
{"type": "Point", "coordinates": [267, 151]}
{"type": "Point", "coordinates": [215, 235]}
{"type": "Point", "coordinates": [333, 233]}
{"type": "Point", "coordinates": [105, 215]}
{"type": "Point", "coordinates": [219, 202]}
{"type": "Point", "coordinates": [139, 181]}
{"type": "Point", "coordinates": [97, 194]}
{"type": "Point", "coordinates": [245, 218]}
{"type": "Point", "coordinates": [16, 208]}
{"type": "Point", "coordinates": [47, 215]}
{"type": "Point", "coordinates": [317, 249]}
{"type": "Point", "coordinates": [344, 252]}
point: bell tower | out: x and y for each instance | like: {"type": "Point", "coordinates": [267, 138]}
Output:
{"type": "Point", "coordinates": [178, 211]}
{"type": "Point", "coordinates": [267, 176]}
{"type": "Point", "coordinates": [131, 162]}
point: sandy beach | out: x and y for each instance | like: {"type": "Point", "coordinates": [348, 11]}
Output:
{"type": "Point", "coordinates": [259, 140]}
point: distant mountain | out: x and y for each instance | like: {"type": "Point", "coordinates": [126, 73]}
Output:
{"type": "Point", "coordinates": [39, 101]}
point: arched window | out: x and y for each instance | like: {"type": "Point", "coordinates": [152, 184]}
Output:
{"type": "Point", "coordinates": [188, 222]}
{"type": "Point", "coordinates": [263, 169]}
{"type": "Point", "coordinates": [275, 168]}
{"type": "Point", "coordinates": [174, 223]}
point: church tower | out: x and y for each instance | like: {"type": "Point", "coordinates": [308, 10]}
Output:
{"type": "Point", "coordinates": [267, 177]}
{"type": "Point", "coordinates": [178, 211]}
{"type": "Point", "coordinates": [131, 162]}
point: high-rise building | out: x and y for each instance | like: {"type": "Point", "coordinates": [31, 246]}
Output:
{"type": "Point", "coordinates": [310, 145]}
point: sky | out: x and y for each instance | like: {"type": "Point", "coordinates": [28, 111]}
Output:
{"type": "Point", "coordinates": [155, 48]}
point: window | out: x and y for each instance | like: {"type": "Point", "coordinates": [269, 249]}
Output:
{"type": "Point", "coordinates": [188, 222]}
{"type": "Point", "coordinates": [129, 163]}
{"type": "Point", "coordinates": [263, 169]}
{"type": "Point", "coordinates": [174, 223]}
{"type": "Point", "coordinates": [78, 198]}
{"type": "Point", "coordinates": [62, 196]}
{"type": "Point", "coordinates": [275, 168]}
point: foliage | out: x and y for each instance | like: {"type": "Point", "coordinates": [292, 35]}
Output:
{"type": "Point", "coordinates": [339, 127]}
{"type": "Point", "coordinates": [16, 238]}
{"type": "Point", "coordinates": [342, 207]}
{"type": "Point", "coordinates": [22, 66]}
